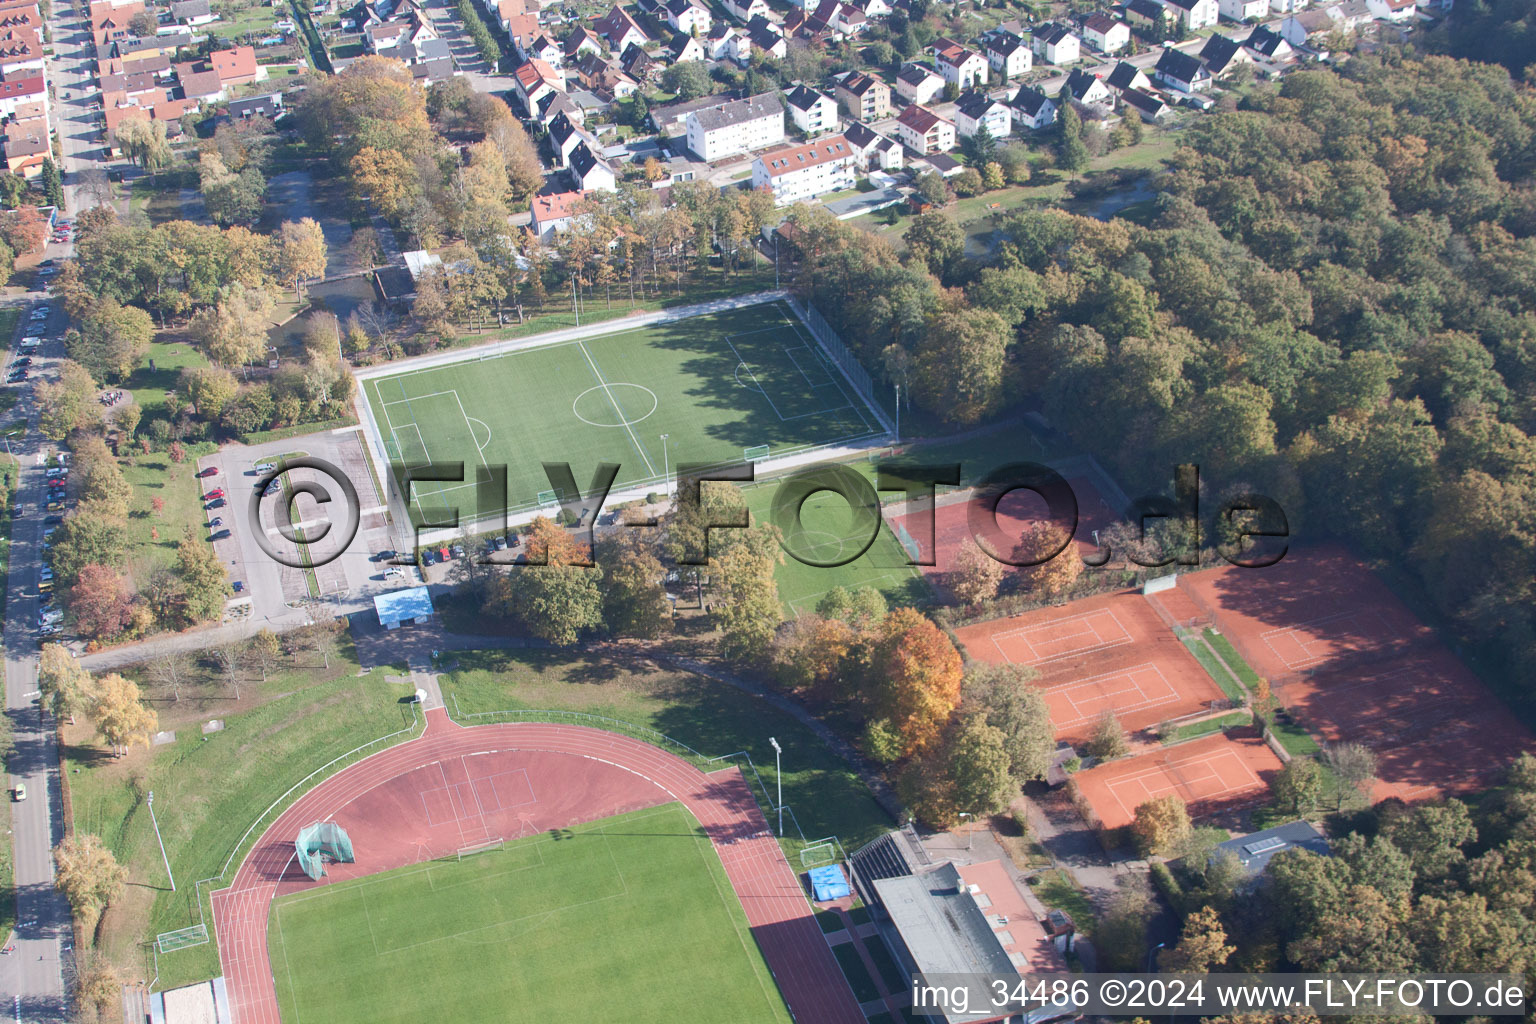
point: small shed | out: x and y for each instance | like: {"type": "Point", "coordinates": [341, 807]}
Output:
{"type": "Point", "coordinates": [403, 607]}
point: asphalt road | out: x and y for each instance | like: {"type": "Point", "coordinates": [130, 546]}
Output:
{"type": "Point", "coordinates": [32, 976]}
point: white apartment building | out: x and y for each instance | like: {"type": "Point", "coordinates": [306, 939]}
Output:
{"type": "Point", "coordinates": [797, 173]}
{"type": "Point", "coordinates": [737, 126]}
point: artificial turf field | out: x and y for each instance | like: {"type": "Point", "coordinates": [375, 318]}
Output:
{"type": "Point", "coordinates": [716, 384]}
{"type": "Point", "coordinates": [632, 913]}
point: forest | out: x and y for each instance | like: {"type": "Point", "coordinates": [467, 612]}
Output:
{"type": "Point", "coordinates": [1332, 306]}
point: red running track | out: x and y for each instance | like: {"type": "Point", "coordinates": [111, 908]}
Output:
{"type": "Point", "coordinates": [429, 797]}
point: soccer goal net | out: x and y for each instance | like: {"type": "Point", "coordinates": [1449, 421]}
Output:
{"type": "Point", "coordinates": [320, 842]}
{"type": "Point", "coordinates": [755, 453]}
{"type": "Point", "coordinates": [487, 846]}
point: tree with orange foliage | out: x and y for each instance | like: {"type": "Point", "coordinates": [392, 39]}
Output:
{"type": "Point", "coordinates": [556, 595]}
{"type": "Point", "coordinates": [916, 673]}
{"type": "Point", "coordinates": [1054, 575]}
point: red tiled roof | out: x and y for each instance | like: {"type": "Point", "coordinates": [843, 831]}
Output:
{"type": "Point", "coordinates": [554, 207]}
{"type": "Point", "coordinates": [234, 65]}
{"type": "Point", "coordinates": [788, 159]}
{"type": "Point", "coordinates": [919, 119]}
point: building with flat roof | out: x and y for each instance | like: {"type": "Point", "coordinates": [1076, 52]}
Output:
{"type": "Point", "coordinates": [403, 607]}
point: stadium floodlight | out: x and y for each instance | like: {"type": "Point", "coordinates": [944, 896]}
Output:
{"type": "Point", "coordinates": [778, 774]}
{"type": "Point", "coordinates": [666, 466]}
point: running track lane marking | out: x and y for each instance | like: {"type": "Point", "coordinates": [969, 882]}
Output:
{"type": "Point", "coordinates": [770, 893]}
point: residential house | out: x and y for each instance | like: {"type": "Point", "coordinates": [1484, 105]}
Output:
{"type": "Point", "coordinates": [924, 132]}
{"type": "Point", "coordinates": [1394, 12]}
{"type": "Point", "coordinates": [745, 10]}
{"type": "Point", "coordinates": [1106, 34]}
{"type": "Point", "coordinates": [976, 110]}
{"type": "Point", "coordinates": [589, 172]}
{"type": "Point", "coordinates": [552, 104]}
{"type": "Point", "coordinates": [876, 152]}
{"type": "Point", "coordinates": [25, 151]}
{"type": "Point", "coordinates": [543, 48]}
{"type": "Point", "coordinates": [533, 80]}
{"type": "Point", "coordinates": [1353, 15]}
{"type": "Point", "coordinates": [554, 214]}
{"type": "Point", "coordinates": [605, 79]}
{"type": "Point", "coordinates": [764, 38]}
{"type": "Point", "coordinates": [917, 83]}
{"type": "Point", "coordinates": [797, 173]}
{"type": "Point", "coordinates": [875, 8]}
{"type": "Point", "coordinates": [684, 47]}
{"type": "Point", "coordinates": [1287, 6]}
{"type": "Point", "coordinates": [110, 22]}
{"type": "Point", "coordinates": [688, 16]}
{"type": "Point", "coordinates": [192, 12]}
{"type": "Point", "coordinates": [1195, 14]}
{"type": "Point", "coordinates": [1181, 72]}
{"type": "Point", "coordinates": [131, 47]}
{"type": "Point", "coordinates": [429, 71]}
{"type": "Point", "coordinates": [1128, 76]}
{"type": "Point", "coordinates": [1089, 90]}
{"type": "Point", "coordinates": [1223, 55]}
{"type": "Point", "coordinates": [203, 87]}
{"type": "Point", "coordinates": [20, 56]}
{"type": "Point", "coordinates": [1149, 105]}
{"type": "Point", "coordinates": [721, 43]}
{"type": "Point", "coordinates": [962, 67]}
{"type": "Point", "coordinates": [620, 30]}
{"type": "Point", "coordinates": [1271, 45]}
{"type": "Point", "coordinates": [269, 106]}
{"type": "Point", "coordinates": [1055, 43]}
{"type": "Point", "coordinates": [1033, 108]}
{"type": "Point", "coordinates": [672, 118]}
{"type": "Point", "coordinates": [864, 96]}
{"type": "Point", "coordinates": [812, 111]}
{"type": "Point", "coordinates": [564, 136]}
{"type": "Point", "coordinates": [581, 41]}
{"type": "Point", "coordinates": [1007, 54]}
{"type": "Point", "coordinates": [1243, 10]}
{"type": "Point", "coordinates": [237, 66]}
{"type": "Point", "coordinates": [1146, 15]}
{"type": "Point", "coordinates": [1306, 28]}
{"type": "Point", "coordinates": [522, 29]}
{"type": "Point", "coordinates": [736, 126]}
{"type": "Point", "coordinates": [638, 64]}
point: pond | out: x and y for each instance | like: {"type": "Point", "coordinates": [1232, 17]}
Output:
{"type": "Point", "coordinates": [340, 296]}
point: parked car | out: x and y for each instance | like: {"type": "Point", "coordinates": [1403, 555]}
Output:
{"type": "Point", "coordinates": [215, 523]}
{"type": "Point", "coordinates": [48, 630]}
{"type": "Point", "coordinates": [428, 557]}
{"type": "Point", "coordinates": [265, 467]}
{"type": "Point", "coordinates": [217, 492]}
{"type": "Point", "coordinates": [210, 471]}
{"type": "Point", "coordinates": [238, 585]}
{"type": "Point", "coordinates": [53, 520]}
{"type": "Point", "coordinates": [500, 543]}
{"type": "Point", "coordinates": [23, 361]}
{"type": "Point", "coordinates": [215, 503]}
{"type": "Point", "coordinates": [55, 506]}
{"type": "Point", "coordinates": [458, 550]}
{"type": "Point", "coordinates": [20, 792]}
{"type": "Point", "coordinates": [383, 556]}
{"type": "Point", "coordinates": [220, 535]}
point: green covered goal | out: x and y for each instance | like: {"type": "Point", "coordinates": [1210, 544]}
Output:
{"type": "Point", "coordinates": [320, 842]}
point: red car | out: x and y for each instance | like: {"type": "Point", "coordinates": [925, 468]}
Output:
{"type": "Point", "coordinates": [210, 471]}
{"type": "Point", "coordinates": [217, 492]}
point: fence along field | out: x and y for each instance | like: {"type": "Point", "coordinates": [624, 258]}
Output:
{"type": "Point", "coordinates": [706, 389]}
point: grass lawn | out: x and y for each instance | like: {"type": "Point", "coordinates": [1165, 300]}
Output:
{"type": "Point", "coordinates": [634, 911]}
{"type": "Point", "coordinates": [1056, 891]}
{"type": "Point", "coordinates": [209, 788]}
{"type": "Point", "coordinates": [150, 387]}
{"type": "Point", "coordinates": [1296, 740]}
{"type": "Point", "coordinates": [1205, 728]}
{"type": "Point", "coordinates": [152, 536]}
{"type": "Point", "coordinates": [158, 199]}
{"type": "Point", "coordinates": [711, 717]}
{"type": "Point", "coordinates": [831, 534]}
{"type": "Point", "coordinates": [1222, 646]}
{"type": "Point", "coordinates": [864, 987]}
{"type": "Point", "coordinates": [1214, 668]}
{"type": "Point", "coordinates": [713, 385]}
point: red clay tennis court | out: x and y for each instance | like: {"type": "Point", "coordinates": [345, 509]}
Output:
{"type": "Point", "coordinates": [1212, 774]}
{"type": "Point", "coordinates": [1107, 653]}
{"type": "Point", "coordinates": [1016, 513]}
{"type": "Point", "coordinates": [1354, 664]}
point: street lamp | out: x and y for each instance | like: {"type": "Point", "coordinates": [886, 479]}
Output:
{"type": "Point", "coordinates": [970, 834]}
{"type": "Point", "coordinates": [666, 466]}
{"type": "Point", "coordinates": [1151, 953]}
{"type": "Point", "coordinates": [151, 802]}
{"type": "Point", "coordinates": [777, 751]}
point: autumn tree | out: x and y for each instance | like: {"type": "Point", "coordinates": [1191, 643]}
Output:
{"type": "Point", "coordinates": [1202, 945]}
{"type": "Point", "coordinates": [96, 984]}
{"type": "Point", "coordinates": [65, 685]}
{"type": "Point", "coordinates": [203, 580]}
{"type": "Point", "coordinates": [808, 653]}
{"type": "Point", "coordinates": [915, 675]}
{"type": "Point", "coordinates": [634, 599]}
{"type": "Point", "coordinates": [1049, 575]}
{"type": "Point", "coordinates": [301, 251]}
{"type": "Point", "coordinates": [1108, 739]}
{"type": "Point", "coordinates": [88, 875]}
{"type": "Point", "coordinates": [266, 648]}
{"type": "Point", "coordinates": [975, 575]}
{"type": "Point", "coordinates": [557, 596]}
{"type": "Point", "coordinates": [1299, 785]}
{"type": "Point", "coordinates": [121, 717]}
{"type": "Point", "coordinates": [1160, 825]}
{"type": "Point", "coordinates": [233, 332]}
{"type": "Point", "coordinates": [67, 403]}
{"type": "Point", "coordinates": [101, 602]}
{"type": "Point", "coordinates": [1354, 765]}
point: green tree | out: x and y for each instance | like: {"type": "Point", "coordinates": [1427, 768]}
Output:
{"type": "Point", "coordinates": [203, 578]}
{"type": "Point", "coordinates": [689, 79]}
{"type": "Point", "coordinates": [1071, 150]}
{"type": "Point", "coordinates": [960, 367]}
{"type": "Point", "coordinates": [931, 189]}
{"type": "Point", "coordinates": [53, 185]}
{"type": "Point", "coordinates": [1299, 786]}
{"type": "Point", "coordinates": [1108, 739]}
{"type": "Point", "coordinates": [558, 597]}
{"type": "Point", "coordinates": [1010, 700]}
{"type": "Point", "coordinates": [65, 684]}
{"type": "Point", "coordinates": [980, 766]}
{"type": "Point", "coordinates": [634, 599]}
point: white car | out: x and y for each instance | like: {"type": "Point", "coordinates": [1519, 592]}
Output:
{"type": "Point", "coordinates": [265, 467]}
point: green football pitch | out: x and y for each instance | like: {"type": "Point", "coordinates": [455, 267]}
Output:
{"type": "Point", "coordinates": [630, 918]}
{"type": "Point", "coordinates": [699, 390]}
